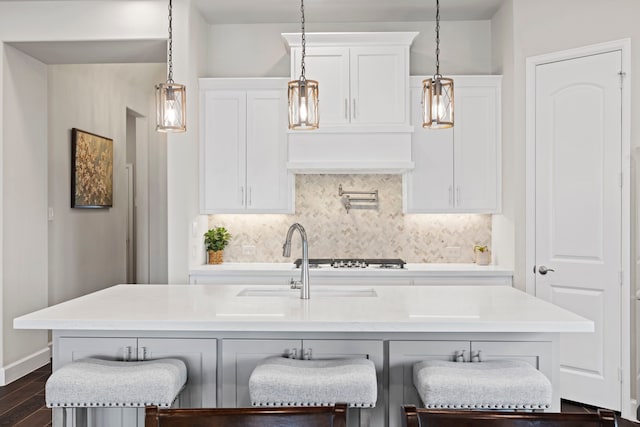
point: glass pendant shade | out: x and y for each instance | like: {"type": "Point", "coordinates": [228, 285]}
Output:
{"type": "Point", "coordinates": [303, 104]}
{"type": "Point", "coordinates": [437, 101]}
{"type": "Point", "coordinates": [170, 107]}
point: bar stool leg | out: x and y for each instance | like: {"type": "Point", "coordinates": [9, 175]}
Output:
{"type": "Point", "coordinates": [365, 417]}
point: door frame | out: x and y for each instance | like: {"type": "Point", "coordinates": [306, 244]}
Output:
{"type": "Point", "coordinates": [624, 46]}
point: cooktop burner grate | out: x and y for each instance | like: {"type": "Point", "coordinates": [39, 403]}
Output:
{"type": "Point", "coordinates": [352, 262]}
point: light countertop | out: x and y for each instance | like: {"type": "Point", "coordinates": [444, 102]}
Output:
{"type": "Point", "coordinates": [410, 269]}
{"type": "Point", "coordinates": [392, 309]}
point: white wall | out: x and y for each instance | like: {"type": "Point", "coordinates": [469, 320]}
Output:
{"type": "Point", "coordinates": [536, 31]}
{"type": "Point", "coordinates": [504, 225]}
{"type": "Point", "coordinates": [87, 247]}
{"type": "Point", "coordinates": [258, 50]}
{"type": "Point", "coordinates": [23, 278]}
{"type": "Point", "coordinates": [32, 21]}
{"type": "Point", "coordinates": [190, 56]}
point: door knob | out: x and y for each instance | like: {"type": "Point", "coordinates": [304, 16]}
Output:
{"type": "Point", "coordinates": [544, 270]}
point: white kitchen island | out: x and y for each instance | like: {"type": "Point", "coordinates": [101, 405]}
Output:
{"type": "Point", "coordinates": [223, 331]}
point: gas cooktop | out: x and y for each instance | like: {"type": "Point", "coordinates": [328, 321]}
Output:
{"type": "Point", "coordinates": [352, 263]}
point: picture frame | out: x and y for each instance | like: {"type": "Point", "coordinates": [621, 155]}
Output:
{"type": "Point", "coordinates": [91, 170]}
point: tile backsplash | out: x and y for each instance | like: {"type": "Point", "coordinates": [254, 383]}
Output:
{"type": "Point", "coordinates": [384, 232]}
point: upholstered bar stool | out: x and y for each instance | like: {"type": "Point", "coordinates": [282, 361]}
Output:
{"type": "Point", "coordinates": [95, 383]}
{"type": "Point", "coordinates": [278, 381]}
{"type": "Point", "coordinates": [493, 384]}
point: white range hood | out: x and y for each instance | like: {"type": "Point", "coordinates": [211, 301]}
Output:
{"type": "Point", "coordinates": [364, 103]}
{"type": "Point", "coordinates": [353, 152]}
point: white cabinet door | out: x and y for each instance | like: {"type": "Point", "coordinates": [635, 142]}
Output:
{"type": "Point", "coordinates": [476, 146]}
{"type": "Point", "coordinates": [71, 349]}
{"type": "Point", "coordinates": [429, 187]}
{"type": "Point", "coordinates": [244, 147]}
{"type": "Point", "coordinates": [239, 359]}
{"type": "Point", "coordinates": [457, 170]}
{"type": "Point", "coordinates": [329, 66]}
{"type": "Point", "coordinates": [363, 85]}
{"type": "Point", "coordinates": [536, 353]}
{"type": "Point", "coordinates": [353, 349]}
{"type": "Point", "coordinates": [378, 85]}
{"type": "Point", "coordinates": [200, 356]}
{"type": "Point", "coordinates": [402, 356]}
{"type": "Point", "coordinates": [269, 185]}
{"type": "Point", "coordinates": [223, 151]}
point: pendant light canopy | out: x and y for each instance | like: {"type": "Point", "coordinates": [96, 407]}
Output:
{"type": "Point", "coordinates": [303, 94]}
{"type": "Point", "coordinates": [171, 97]}
{"type": "Point", "coordinates": [437, 92]}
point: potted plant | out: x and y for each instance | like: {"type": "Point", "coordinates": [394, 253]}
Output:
{"type": "Point", "coordinates": [483, 254]}
{"type": "Point", "coordinates": [215, 240]}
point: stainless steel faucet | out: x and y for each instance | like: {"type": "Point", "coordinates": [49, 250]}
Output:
{"type": "Point", "coordinates": [303, 284]}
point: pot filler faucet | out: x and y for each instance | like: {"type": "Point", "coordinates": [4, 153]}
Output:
{"type": "Point", "coordinates": [303, 284]}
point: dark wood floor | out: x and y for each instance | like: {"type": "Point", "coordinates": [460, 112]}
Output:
{"type": "Point", "coordinates": [22, 402]}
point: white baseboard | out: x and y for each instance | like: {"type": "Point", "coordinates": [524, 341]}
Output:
{"type": "Point", "coordinates": [24, 366]}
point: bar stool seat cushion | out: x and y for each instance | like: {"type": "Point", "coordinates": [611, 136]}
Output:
{"type": "Point", "coordinates": [492, 384]}
{"type": "Point", "coordinates": [96, 382]}
{"type": "Point", "coordinates": [278, 381]}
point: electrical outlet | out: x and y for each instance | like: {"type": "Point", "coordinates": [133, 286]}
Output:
{"type": "Point", "coordinates": [452, 252]}
{"type": "Point", "coordinates": [248, 250]}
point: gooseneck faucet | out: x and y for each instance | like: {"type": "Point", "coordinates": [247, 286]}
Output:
{"type": "Point", "coordinates": [303, 284]}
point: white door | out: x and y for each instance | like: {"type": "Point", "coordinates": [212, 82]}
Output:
{"type": "Point", "coordinates": [578, 210]}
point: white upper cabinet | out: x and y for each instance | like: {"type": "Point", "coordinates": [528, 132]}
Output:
{"type": "Point", "coordinates": [243, 150]}
{"type": "Point", "coordinates": [457, 169]}
{"type": "Point", "coordinates": [363, 77]}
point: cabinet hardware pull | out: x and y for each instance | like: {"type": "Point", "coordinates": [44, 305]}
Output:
{"type": "Point", "coordinates": [242, 195]}
{"type": "Point", "coordinates": [346, 109]}
{"type": "Point", "coordinates": [126, 354]}
{"type": "Point", "coordinates": [354, 108]}
{"type": "Point", "coordinates": [306, 354]}
{"type": "Point", "coordinates": [450, 195]}
{"type": "Point", "coordinates": [457, 195]}
{"type": "Point", "coordinates": [250, 195]}
{"type": "Point", "coordinates": [142, 353]}
{"type": "Point", "coordinates": [292, 353]}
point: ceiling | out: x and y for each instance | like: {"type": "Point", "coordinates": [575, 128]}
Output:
{"type": "Point", "coordinates": [275, 11]}
{"type": "Point", "coordinates": [260, 12]}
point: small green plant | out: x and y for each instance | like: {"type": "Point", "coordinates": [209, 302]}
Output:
{"type": "Point", "coordinates": [479, 248]}
{"type": "Point", "coordinates": [216, 239]}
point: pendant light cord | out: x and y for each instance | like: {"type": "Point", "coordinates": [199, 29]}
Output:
{"type": "Point", "coordinates": [437, 39]}
{"type": "Point", "coordinates": [304, 42]}
{"type": "Point", "coordinates": [170, 50]}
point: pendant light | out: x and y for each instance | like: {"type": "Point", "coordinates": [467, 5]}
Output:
{"type": "Point", "coordinates": [171, 97]}
{"type": "Point", "coordinates": [303, 94]}
{"type": "Point", "coordinates": [437, 92]}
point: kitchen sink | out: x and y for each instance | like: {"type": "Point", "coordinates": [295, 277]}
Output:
{"type": "Point", "coordinates": [319, 292]}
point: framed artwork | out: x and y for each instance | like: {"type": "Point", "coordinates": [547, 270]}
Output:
{"type": "Point", "coordinates": [91, 170]}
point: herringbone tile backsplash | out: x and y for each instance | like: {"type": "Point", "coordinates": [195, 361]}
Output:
{"type": "Point", "coordinates": [384, 232]}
